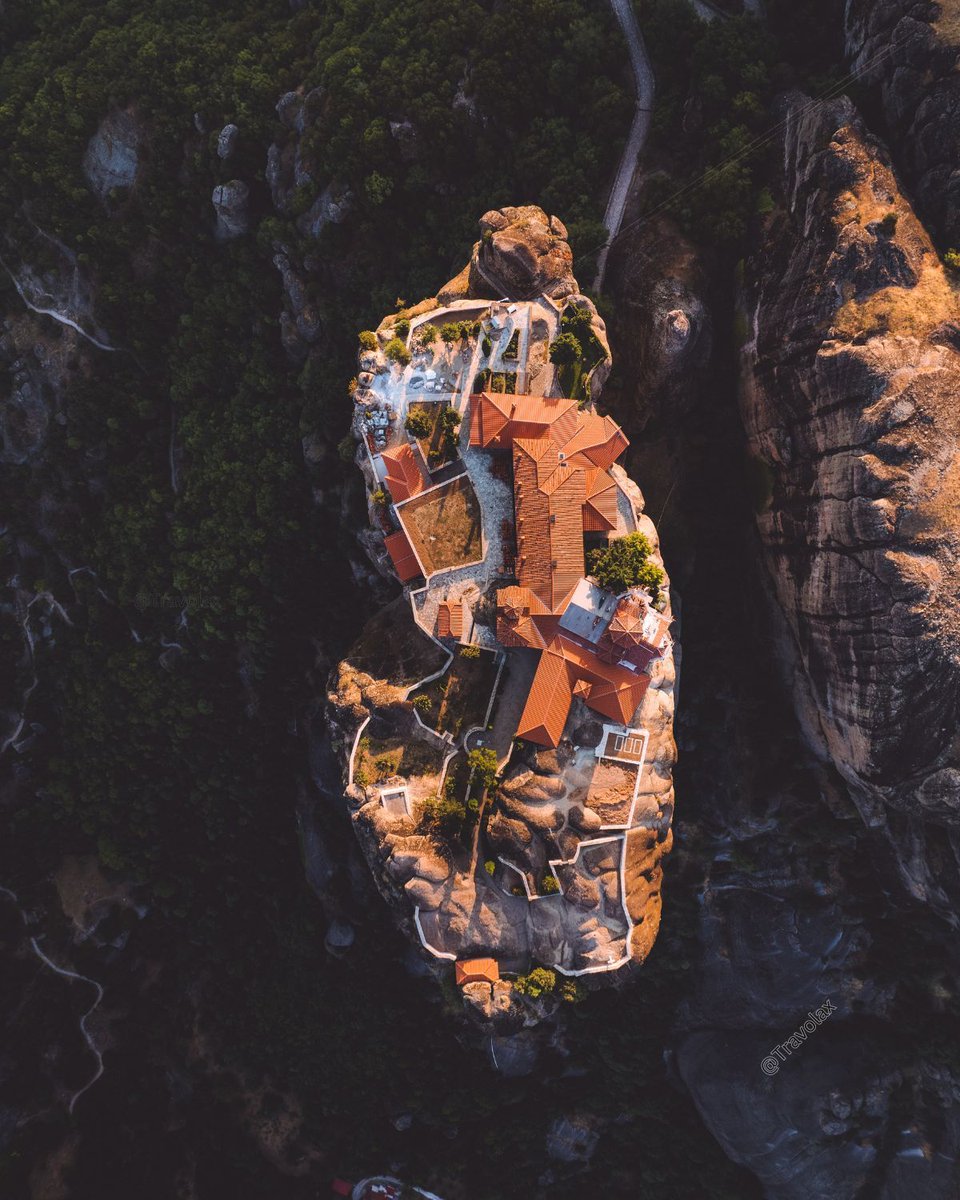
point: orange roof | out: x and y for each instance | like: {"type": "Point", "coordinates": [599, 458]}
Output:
{"type": "Point", "coordinates": [401, 552]}
{"type": "Point", "coordinates": [404, 477]}
{"type": "Point", "coordinates": [567, 669]}
{"type": "Point", "coordinates": [450, 619]}
{"type": "Point", "coordinates": [597, 440]}
{"type": "Point", "coordinates": [548, 500]}
{"type": "Point", "coordinates": [584, 437]}
{"type": "Point", "coordinates": [497, 419]}
{"type": "Point", "coordinates": [600, 508]}
{"type": "Point", "coordinates": [477, 970]}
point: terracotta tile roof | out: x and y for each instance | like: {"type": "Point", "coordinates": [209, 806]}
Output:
{"type": "Point", "coordinates": [600, 509]}
{"type": "Point", "coordinates": [404, 477]}
{"type": "Point", "coordinates": [548, 500]}
{"type": "Point", "coordinates": [401, 552]}
{"type": "Point", "coordinates": [450, 619]}
{"type": "Point", "coordinates": [497, 419]}
{"type": "Point", "coordinates": [597, 440]}
{"type": "Point", "coordinates": [567, 669]}
{"type": "Point", "coordinates": [477, 970]}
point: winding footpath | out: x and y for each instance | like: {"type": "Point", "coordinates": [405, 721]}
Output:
{"type": "Point", "coordinates": [636, 140]}
{"type": "Point", "coordinates": [87, 1036]}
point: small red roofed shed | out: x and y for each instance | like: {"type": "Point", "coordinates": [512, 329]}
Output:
{"type": "Point", "coordinates": [401, 553]}
{"type": "Point", "coordinates": [477, 970]}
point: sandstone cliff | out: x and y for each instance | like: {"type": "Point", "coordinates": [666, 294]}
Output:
{"type": "Point", "coordinates": [908, 48]}
{"type": "Point", "coordinates": [849, 398]}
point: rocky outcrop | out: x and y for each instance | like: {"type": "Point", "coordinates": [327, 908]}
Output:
{"type": "Point", "coordinates": [522, 253]}
{"type": "Point", "coordinates": [112, 156]}
{"type": "Point", "coordinates": [908, 49]}
{"type": "Point", "coordinates": [850, 379]}
{"type": "Point", "coordinates": [227, 141]}
{"type": "Point", "coordinates": [564, 870]}
{"type": "Point", "coordinates": [231, 203]}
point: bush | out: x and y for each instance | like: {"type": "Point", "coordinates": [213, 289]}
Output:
{"type": "Point", "coordinates": [426, 334]}
{"type": "Point", "coordinates": [397, 352]}
{"type": "Point", "coordinates": [484, 766]}
{"type": "Point", "coordinates": [490, 866]}
{"type": "Point", "coordinates": [470, 651]}
{"type": "Point", "coordinates": [444, 814]}
{"type": "Point", "coordinates": [486, 346]}
{"type": "Point", "coordinates": [565, 349]}
{"type": "Point", "coordinates": [368, 340]}
{"type": "Point", "coordinates": [421, 702]}
{"type": "Point", "coordinates": [572, 991]}
{"type": "Point", "coordinates": [450, 333]}
{"type": "Point", "coordinates": [418, 423]}
{"type": "Point", "coordinates": [383, 767]}
{"type": "Point", "coordinates": [549, 885]}
{"type": "Point", "coordinates": [379, 497]}
{"type": "Point", "coordinates": [951, 260]}
{"type": "Point", "coordinates": [540, 982]}
{"type": "Point", "coordinates": [402, 328]}
{"type": "Point", "coordinates": [624, 564]}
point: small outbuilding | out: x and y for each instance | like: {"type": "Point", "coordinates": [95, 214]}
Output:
{"type": "Point", "coordinates": [477, 970]}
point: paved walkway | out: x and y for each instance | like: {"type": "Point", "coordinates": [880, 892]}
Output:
{"type": "Point", "coordinates": [639, 130]}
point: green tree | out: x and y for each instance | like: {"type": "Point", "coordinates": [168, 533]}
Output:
{"type": "Point", "coordinates": [624, 563]}
{"type": "Point", "coordinates": [368, 339]}
{"type": "Point", "coordinates": [565, 349]}
{"type": "Point", "coordinates": [450, 332]}
{"type": "Point", "coordinates": [484, 766]}
{"type": "Point", "coordinates": [418, 423]}
{"type": "Point", "coordinates": [397, 352]}
{"type": "Point", "coordinates": [427, 334]}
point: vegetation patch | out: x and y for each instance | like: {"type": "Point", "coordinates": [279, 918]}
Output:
{"type": "Point", "coordinates": [436, 426]}
{"type": "Point", "coordinates": [444, 525]}
{"type": "Point", "coordinates": [459, 699]}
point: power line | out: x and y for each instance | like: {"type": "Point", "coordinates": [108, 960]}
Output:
{"type": "Point", "coordinates": [829, 93]}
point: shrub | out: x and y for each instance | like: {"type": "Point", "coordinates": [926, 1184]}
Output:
{"type": "Point", "coordinates": [541, 981]}
{"type": "Point", "coordinates": [483, 763]}
{"type": "Point", "coordinates": [470, 651]}
{"type": "Point", "coordinates": [426, 334]}
{"type": "Point", "coordinates": [549, 885]}
{"type": "Point", "coordinates": [572, 991]}
{"type": "Point", "coordinates": [486, 345]}
{"type": "Point", "coordinates": [624, 564]}
{"type": "Point", "coordinates": [402, 328]}
{"type": "Point", "coordinates": [565, 349]}
{"type": "Point", "coordinates": [450, 333]}
{"type": "Point", "coordinates": [951, 260]}
{"type": "Point", "coordinates": [490, 866]}
{"type": "Point", "coordinates": [397, 352]}
{"type": "Point", "coordinates": [383, 767]}
{"type": "Point", "coordinates": [352, 386]}
{"type": "Point", "coordinates": [444, 814]}
{"type": "Point", "coordinates": [379, 497]}
{"type": "Point", "coordinates": [418, 423]}
{"type": "Point", "coordinates": [421, 702]}
{"type": "Point", "coordinates": [368, 340]}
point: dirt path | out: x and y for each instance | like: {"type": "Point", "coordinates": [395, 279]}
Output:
{"type": "Point", "coordinates": [636, 140]}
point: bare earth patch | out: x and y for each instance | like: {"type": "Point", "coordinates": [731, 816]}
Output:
{"type": "Point", "coordinates": [444, 525]}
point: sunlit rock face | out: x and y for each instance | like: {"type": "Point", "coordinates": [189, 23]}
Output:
{"type": "Point", "coordinates": [851, 373]}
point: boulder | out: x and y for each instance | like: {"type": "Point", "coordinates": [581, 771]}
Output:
{"type": "Point", "coordinates": [522, 252]}
{"type": "Point", "coordinates": [227, 141]}
{"type": "Point", "coordinates": [231, 200]}
{"type": "Point", "coordinates": [112, 155]}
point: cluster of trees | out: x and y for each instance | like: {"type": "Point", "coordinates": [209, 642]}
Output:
{"type": "Point", "coordinates": [625, 563]}
{"type": "Point", "coordinates": [715, 81]}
